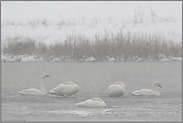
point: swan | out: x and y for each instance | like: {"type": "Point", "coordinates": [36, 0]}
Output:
{"type": "Point", "coordinates": [148, 91]}
{"type": "Point", "coordinates": [67, 88]}
{"type": "Point", "coordinates": [116, 89]}
{"type": "Point", "coordinates": [92, 103]}
{"type": "Point", "coordinates": [33, 91]}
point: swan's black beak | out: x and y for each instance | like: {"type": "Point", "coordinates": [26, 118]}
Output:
{"type": "Point", "coordinates": [160, 86]}
{"type": "Point", "coordinates": [47, 76]}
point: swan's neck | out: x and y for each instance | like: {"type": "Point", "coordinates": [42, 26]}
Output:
{"type": "Point", "coordinates": [154, 89]}
{"type": "Point", "coordinates": [43, 86]}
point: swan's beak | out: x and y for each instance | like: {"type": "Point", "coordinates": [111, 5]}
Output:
{"type": "Point", "coordinates": [47, 76]}
{"type": "Point", "coordinates": [160, 86]}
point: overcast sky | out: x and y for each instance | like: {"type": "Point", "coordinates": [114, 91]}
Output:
{"type": "Point", "coordinates": [53, 10]}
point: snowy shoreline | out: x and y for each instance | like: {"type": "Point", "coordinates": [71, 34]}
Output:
{"type": "Point", "coordinates": [26, 58]}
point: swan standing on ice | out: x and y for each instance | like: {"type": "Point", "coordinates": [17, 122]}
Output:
{"type": "Point", "coordinates": [33, 91]}
{"type": "Point", "coordinates": [65, 89]}
{"type": "Point", "coordinates": [148, 91]}
{"type": "Point", "coordinates": [116, 89]}
{"type": "Point", "coordinates": [92, 103]}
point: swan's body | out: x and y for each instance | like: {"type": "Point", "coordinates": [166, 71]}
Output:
{"type": "Point", "coordinates": [65, 89]}
{"type": "Point", "coordinates": [92, 103]}
{"type": "Point", "coordinates": [115, 90]}
{"type": "Point", "coordinates": [148, 91]}
{"type": "Point", "coordinates": [33, 91]}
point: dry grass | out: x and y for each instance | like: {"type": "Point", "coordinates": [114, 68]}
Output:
{"type": "Point", "coordinates": [122, 48]}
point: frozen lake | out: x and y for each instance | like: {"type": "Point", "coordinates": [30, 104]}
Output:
{"type": "Point", "coordinates": [93, 79]}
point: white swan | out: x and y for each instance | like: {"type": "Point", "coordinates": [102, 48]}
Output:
{"type": "Point", "coordinates": [148, 91]}
{"type": "Point", "coordinates": [116, 89]}
{"type": "Point", "coordinates": [65, 89]}
{"type": "Point", "coordinates": [33, 91]}
{"type": "Point", "coordinates": [92, 103]}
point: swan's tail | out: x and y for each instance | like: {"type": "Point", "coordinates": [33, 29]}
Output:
{"type": "Point", "coordinates": [51, 92]}
{"type": "Point", "coordinates": [132, 93]}
{"type": "Point", "coordinates": [21, 92]}
{"type": "Point", "coordinates": [80, 104]}
{"type": "Point", "coordinates": [135, 93]}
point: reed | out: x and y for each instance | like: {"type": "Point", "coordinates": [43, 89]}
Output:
{"type": "Point", "coordinates": [121, 47]}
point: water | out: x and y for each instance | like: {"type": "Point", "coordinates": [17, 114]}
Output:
{"type": "Point", "coordinates": [93, 79]}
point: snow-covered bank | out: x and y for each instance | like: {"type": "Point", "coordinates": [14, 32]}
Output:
{"type": "Point", "coordinates": [26, 58]}
{"type": "Point", "coordinates": [55, 34]}
{"type": "Point", "coordinates": [56, 21]}
{"type": "Point", "coordinates": [114, 48]}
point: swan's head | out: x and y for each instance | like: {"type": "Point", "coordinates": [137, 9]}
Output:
{"type": "Point", "coordinates": [45, 75]}
{"type": "Point", "coordinates": [157, 84]}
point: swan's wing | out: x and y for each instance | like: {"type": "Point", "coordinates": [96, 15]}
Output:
{"type": "Point", "coordinates": [30, 91]}
{"type": "Point", "coordinates": [123, 85]}
{"type": "Point", "coordinates": [135, 92]}
{"type": "Point", "coordinates": [95, 102]}
{"type": "Point", "coordinates": [97, 99]}
{"type": "Point", "coordinates": [70, 90]}
{"type": "Point", "coordinates": [77, 87]}
{"type": "Point", "coordinates": [120, 83]}
{"type": "Point", "coordinates": [64, 90]}
{"type": "Point", "coordinates": [91, 103]}
{"type": "Point", "coordinates": [85, 103]}
{"type": "Point", "coordinates": [115, 90]}
{"type": "Point", "coordinates": [111, 87]}
{"type": "Point", "coordinates": [143, 92]}
{"type": "Point", "coordinates": [57, 89]}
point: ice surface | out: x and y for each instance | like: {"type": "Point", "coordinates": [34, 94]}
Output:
{"type": "Point", "coordinates": [93, 79]}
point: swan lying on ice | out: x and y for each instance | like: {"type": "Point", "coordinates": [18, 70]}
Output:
{"type": "Point", "coordinates": [148, 91]}
{"type": "Point", "coordinates": [65, 89]}
{"type": "Point", "coordinates": [116, 89]}
{"type": "Point", "coordinates": [92, 103]}
{"type": "Point", "coordinates": [33, 91]}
